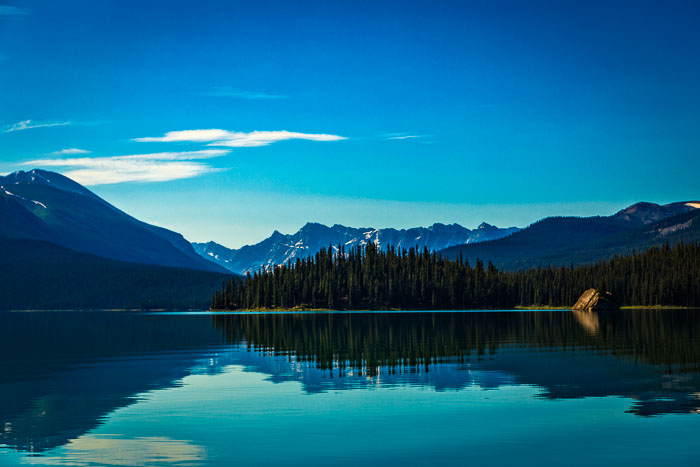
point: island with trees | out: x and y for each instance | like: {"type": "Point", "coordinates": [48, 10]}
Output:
{"type": "Point", "coordinates": [363, 278]}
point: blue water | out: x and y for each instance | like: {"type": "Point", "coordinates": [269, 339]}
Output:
{"type": "Point", "coordinates": [476, 388]}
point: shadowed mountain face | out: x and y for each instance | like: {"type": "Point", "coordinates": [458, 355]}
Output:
{"type": "Point", "coordinates": [648, 213]}
{"type": "Point", "coordinates": [38, 275]}
{"type": "Point", "coordinates": [64, 374]}
{"type": "Point", "coordinates": [562, 241]}
{"type": "Point", "coordinates": [41, 205]}
{"type": "Point", "coordinates": [280, 248]}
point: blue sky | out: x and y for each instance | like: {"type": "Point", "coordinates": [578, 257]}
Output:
{"type": "Point", "coordinates": [385, 114]}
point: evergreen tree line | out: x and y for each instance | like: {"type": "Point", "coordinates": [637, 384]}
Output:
{"type": "Point", "coordinates": [368, 278]}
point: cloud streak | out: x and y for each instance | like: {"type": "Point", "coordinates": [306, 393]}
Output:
{"type": "Point", "coordinates": [69, 151]}
{"type": "Point", "coordinates": [152, 167]}
{"type": "Point", "coordinates": [30, 124]}
{"type": "Point", "coordinates": [236, 139]}
{"type": "Point", "coordinates": [160, 166]}
{"type": "Point", "coordinates": [400, 136]}
{"type": "Point", "coordinates": [226, 91]}
{"type": "Point", "coordinates": [405, 137]}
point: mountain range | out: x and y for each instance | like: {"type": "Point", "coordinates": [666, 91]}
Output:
{"type": "Point", "coordinates": [550, 241]}
{"type": "Point", "coordinates": [560, 241]}
{"type": "Point", "coordinates": [280, 248]}
{"type": "Point", "coordinates": [62, 246]}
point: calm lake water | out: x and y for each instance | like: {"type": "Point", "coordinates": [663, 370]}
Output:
{"type": "Point", "coordinates": [454, 388]}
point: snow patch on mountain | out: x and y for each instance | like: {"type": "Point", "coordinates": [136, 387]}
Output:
{"type": "Point", "coordinates": [38, 203]}
{"type": "Point", "coordinates": [281, 249]}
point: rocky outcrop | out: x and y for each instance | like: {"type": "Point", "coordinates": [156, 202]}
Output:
{"type": "Point", "coordinates": [596, 300]}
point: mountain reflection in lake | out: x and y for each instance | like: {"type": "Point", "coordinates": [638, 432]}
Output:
{"type": "Point", "coordinates": [119, 388]}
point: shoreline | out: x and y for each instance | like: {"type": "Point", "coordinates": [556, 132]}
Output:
{"type": "Point", "coordinates": [328, 310]}
{"type": "Point", "coordinates": [414, 310]}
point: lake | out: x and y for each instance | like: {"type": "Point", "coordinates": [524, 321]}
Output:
{"type": "Point", "coordinates": [423, 388]}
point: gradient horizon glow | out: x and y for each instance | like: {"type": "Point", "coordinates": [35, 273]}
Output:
{"type": "Point", "coordinates": [226, 120]}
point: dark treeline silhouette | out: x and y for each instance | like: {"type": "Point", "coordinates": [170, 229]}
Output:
{"type": "Point", "coordinates": [37, 275]}
{"type": "Point", "coordinates": [367, 278]}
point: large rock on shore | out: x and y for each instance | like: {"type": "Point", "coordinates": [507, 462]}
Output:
{"type": "Point", "coordinates": [595, 300]}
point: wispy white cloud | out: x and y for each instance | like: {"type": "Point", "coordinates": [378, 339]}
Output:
{"type": "Point", "coordinates": [69, 152]}
{"type": "Point", "coordinates": [153, 167]}
{"type": "Point", "coordinates": [29, 124]}
{"type": "Point", "coordinates": [405, 137]}
{"type": "Point", "coordinates": [227, 91]}
{"type": "Point", "coordinates": [401, 136]}
{"type": "Point", "coordinates": [195, 136]}
{"type": "Point", "coordinates": [6, 10]}
{"type": "Point", "coordinates": [236, 139]}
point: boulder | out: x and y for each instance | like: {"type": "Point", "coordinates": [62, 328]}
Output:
{"type": "Point", "coordinates": [596, 300]}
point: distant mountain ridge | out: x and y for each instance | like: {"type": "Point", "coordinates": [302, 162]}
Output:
{"type": "Point", "coordinates": [46, 206]}
{"type": "Point", "coordinates": [561, 241]}
{"type": "Point", "coordinates": [647, 213]}
{"type": "Point", "coordinates": [280, 248]}
{"type": "Point", "coordinates": [679, 228]}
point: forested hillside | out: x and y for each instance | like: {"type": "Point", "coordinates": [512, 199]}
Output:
{"type": "Point", "coordinates": [561, 241]}
{"type": "Point", "coordinates": [367, 278]}
{"type": "Point", "coordinates": [42, 275]}
{"type": "Point", "coordinates": [682, 228]}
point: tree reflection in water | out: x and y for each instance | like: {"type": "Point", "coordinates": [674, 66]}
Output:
{"type": "Point", "coordinates": [651, 356]}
